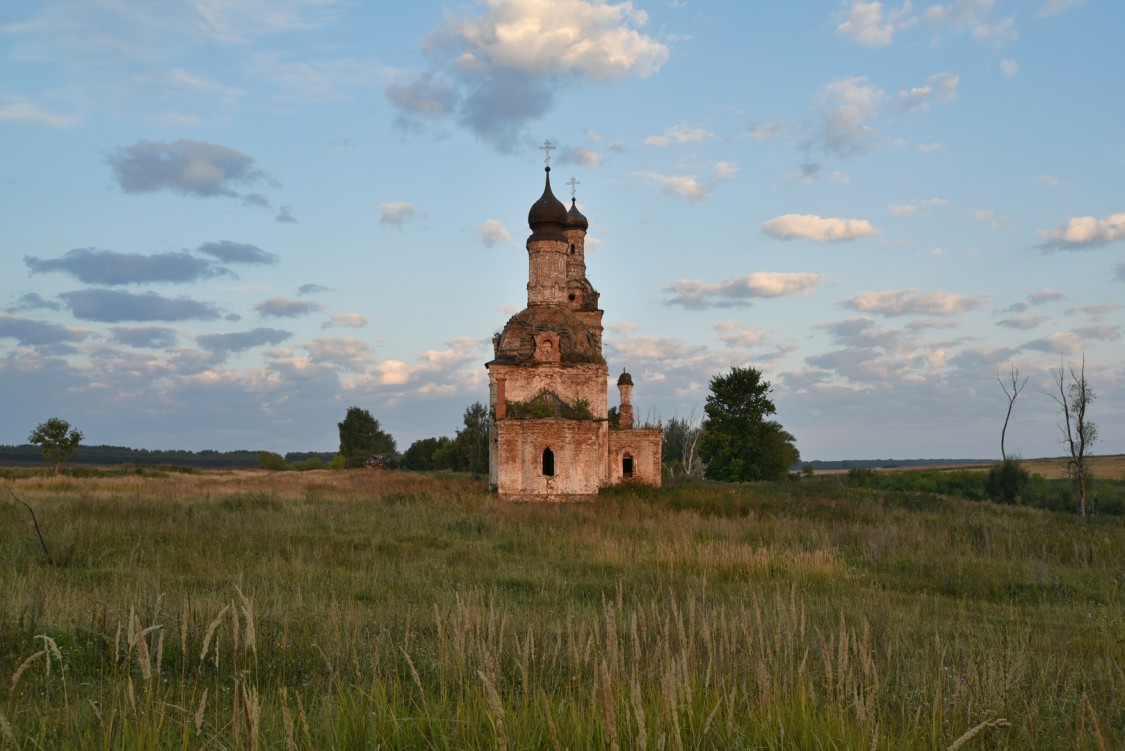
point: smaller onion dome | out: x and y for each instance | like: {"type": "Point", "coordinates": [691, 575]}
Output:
{"type": "Point", "coordinates": [547, 217]}
{"type": "Point", "coordinates": [574, 218]}
{"type": "Point", "coordinates": [625, 379]}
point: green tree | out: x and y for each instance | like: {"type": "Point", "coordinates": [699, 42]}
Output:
{"type": "Point", "coordinates": [471, 443]}
{"type": "Point", "coordinates": [422, 455]}
{"type": "Point", "coordinates": [738, 442]}
{"type": "Point", "coordinates": [361, 438]}
{"type": "Point", "coordinates": [58, 440]}
{"type": "Point", "coordinates": [270, 460]}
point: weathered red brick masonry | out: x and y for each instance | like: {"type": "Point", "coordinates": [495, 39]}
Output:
{"type": "Point", "coordinates": [550, 438]}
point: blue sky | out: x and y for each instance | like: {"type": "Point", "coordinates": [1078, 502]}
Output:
{"type": "Point", "coordinates": [227, 221]}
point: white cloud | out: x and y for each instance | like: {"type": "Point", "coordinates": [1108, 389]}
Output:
{"type": "Point", "coordinates": [1045, 296]}
{"type": "Point", "coordinates": [911, 207]}
{"type": "Point", "coordinates": [1054, 7]}
{"type": "Point", "coordinates": [994, 220]}
{"type": "Point", "coordinates": [1049, 180]}
{"type": "Point", "coordinates": [843, 110]}
{"type": "Point", "coordinates": [771, 130]}
{"type": "Point", "coordinates": [1009, 68]}
{"type": "Point", "coordinates": [185, 166]}
{"type": "Point", "coordinates": [594, 39]}
{"type": "Point", "coordinates": [346, 320]}
{"type": "Point", "coordinates": [809, 173]}
{"type": "Point", "coordinates": [1094, 311]}
{"type": "Point", "coordinates": [940, 87]}
{"type": "Point", "coordinates": [724, 170]}
{"type": "Point", "coordinates": [238, 21]}
{"type": "Point", "coordinates": [393, 372]}
{"type": "Point", "coordinates": [1086, 231]}
{"type": "Point", "coordinates": [1022, 322]}
{"type": "Point", "coordinates": [582, 155]}
{"type": "Point", "coordinates": [912, 301]}
{"type": "Point", "coordinates": [689, 186]}
{"type": "Point", "coordinates": [1059, 343]}
{"type": "Point", "coordinates": [655, 348]}
{"type": "Point", "coordinates": [1103, 332]}
{"type": "Point", "coordinates": [397, 213]}
{"type": "Point", "coordinates": [737, 292]}
{"type": "Point", "coordinates": [31, 114]}
{"type": "Point", "coordinates": [492, 232]}
{"type": "Point", "coordinates": [867, 24]}
{"type": "Point", "coordinates": [318, 80]}
{"type": "Point", "coordinates": [975, 17]}
{"type": "Point", "coordinates": [817, 229]}
{"type": "Point", "coordinates": [679, 134]}
{"type": "Point", "coordinates": [498, 72]}
{"type": "Point", "coordinates": [341, 352]}
{"type": "Point", "coordinates": [736, 334]}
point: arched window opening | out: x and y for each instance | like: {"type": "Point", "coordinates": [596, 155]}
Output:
{"type": "Point", "coordinates": [627, 465]}
{"type": "Point", "coordinates": [548, 463]}
{"type": "Point", "coordinates": [572, 248]}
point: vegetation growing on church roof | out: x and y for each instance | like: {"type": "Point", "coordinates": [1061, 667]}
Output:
{"type": "Point", "coordinates": [547, 404]}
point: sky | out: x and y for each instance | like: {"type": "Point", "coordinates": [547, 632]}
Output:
{"type": "Point", "coordinates": [224, 222]}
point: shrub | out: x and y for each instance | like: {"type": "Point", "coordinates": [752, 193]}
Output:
{"type": "Point", "coordinates": [860, 477]}
{"type": "Point", "coordinates": [271, 461]}
{"type": "Point", "coordinates": [1007, 481]}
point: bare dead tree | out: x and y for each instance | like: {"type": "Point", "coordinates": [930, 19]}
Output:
{"type": "Point", "coordinates": [693, 465]}
{"type": "Point", "coordinates": [681, 446]}
{"type": "Point", "coordinates": [1078, 432]}
{"type": "Point", "coordinates": [34, 521]}
{"type": "Point", "coordinates": [1016, 388]}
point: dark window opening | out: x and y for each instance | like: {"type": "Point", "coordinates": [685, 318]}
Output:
{"type": "Point", "coordinates": [572, 297]}
{"type": "Point", "coordinates": [548, 463]}
{"type": "Point", "coordinates": [572, 248]}
{"type": "Point", "coordinates": [627, 466]}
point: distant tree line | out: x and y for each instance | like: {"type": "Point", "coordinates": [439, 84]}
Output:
{"type": "Point", "coordinates": [31, 455]}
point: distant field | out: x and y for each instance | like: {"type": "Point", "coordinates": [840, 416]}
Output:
{"type": "Point", "coordinates": [1107, 467]}
{"type": "Point", "coordinates": [353, 610]}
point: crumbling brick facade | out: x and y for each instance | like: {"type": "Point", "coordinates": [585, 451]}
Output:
{"type": "Point", "coordinates": [550, 437]}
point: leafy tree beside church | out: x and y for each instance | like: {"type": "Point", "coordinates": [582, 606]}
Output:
{"type": "Point", "coordinates": [361, 438]}
{"type": "Point", "coordinates": [739, 443]}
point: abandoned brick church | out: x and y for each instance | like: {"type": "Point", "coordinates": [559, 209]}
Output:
{"type": "Point", "coordinates": [551, 437]}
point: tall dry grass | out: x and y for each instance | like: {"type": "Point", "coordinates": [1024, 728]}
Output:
{"type": "Point", "coordinates": [361, 609]}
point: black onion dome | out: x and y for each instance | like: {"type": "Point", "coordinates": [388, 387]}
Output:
{"type": "Point", "coordinates": [517, 341]}
{"type": "Point", "coordinates": [575, 219]}
{"type": "Point", "coordinates": [625, 379]}
{"type": "Point", "coordinates": [547, 217]}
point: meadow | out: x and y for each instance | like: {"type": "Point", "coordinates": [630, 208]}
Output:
{"type": "Point", "coordinates": [372, 609]}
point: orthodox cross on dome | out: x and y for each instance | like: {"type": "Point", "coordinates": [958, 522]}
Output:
{"type": "Point", "coordinates": [572, 182]}
{"type": "Point", "coordinates": [547, 146]}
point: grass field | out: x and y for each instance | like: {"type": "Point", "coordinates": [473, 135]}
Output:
{"type": "Point", "coordinates": [397, 610]}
